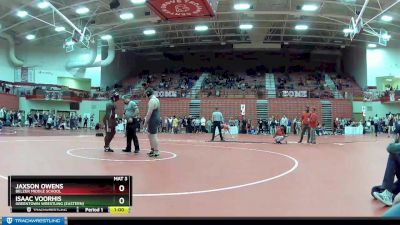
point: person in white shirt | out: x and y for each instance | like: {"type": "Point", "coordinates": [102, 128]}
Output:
{"type": "Point", "coordinates": [203, 124]}
{"type": "Point", "coordinates": [284, 122]}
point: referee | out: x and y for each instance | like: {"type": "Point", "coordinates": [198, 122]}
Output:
{"type": "Point", "coordinates": [131, 112]}
{"type": "Point", "coordinates": [217, 119]}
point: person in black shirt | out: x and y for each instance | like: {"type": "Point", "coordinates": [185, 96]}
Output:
{"type": "Point", "coordinates": [110, 122]}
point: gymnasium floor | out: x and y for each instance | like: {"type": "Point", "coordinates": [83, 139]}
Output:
{"type": "Point", "coordinates": [246, 176]}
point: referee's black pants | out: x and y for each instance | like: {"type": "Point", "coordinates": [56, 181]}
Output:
{"type": "Point", "coordinates": [131, 135]}
{"type": "Point", "coordinates": [216, 124]}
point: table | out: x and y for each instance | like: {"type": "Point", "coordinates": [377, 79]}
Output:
{"type": "Point", "coordinates": [354, 130]}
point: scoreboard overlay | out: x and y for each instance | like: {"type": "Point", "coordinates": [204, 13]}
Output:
{"type": "Point", "coordinates": [70, 194]}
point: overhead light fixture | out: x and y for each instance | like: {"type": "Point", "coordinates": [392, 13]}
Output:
{"type": "Point", "coordinates": [82, 10]}
{"type": "Point", "coordinates": [386, 18]}
{"type": "Point", "coordinates": [386, 37]}
{"type": "Point", "coordinates": [126, 16]}
{"type": "Point", "coordinates": [242, 6]}
{"type": "Point", "coordinates": [223, 43]}
{"type": "Point", "coordinates": [347, 30]}
{"type": "Point", "coordinates": [30, 36]}
{"type": "Point", "coordinates": [149, 32]}
{"type": "Point", "coordinates": [59, 29]}
{"type": "Point", "coordinates": [137, 2]}
{"type": "Point", "coordinates": [43, 4]}
{"type": "Point", "coordinates": [246, 26]}
{"type": "Point", "coordinates": [201, 28]}
{"type": "Point", "coordinates": [106, 37]}
{"type": "Point", "coordinates": [69, 43]}
{"type": "Point", "coordinates": [172, 46]}
{"type": "Point", "coordinates": [389, 80]}
{"type": "Point", "coordinates": [22, 13]}
{"type": "Point", "coordinates": [309, 8]}
{"type": "Point", "coordinates": [372, 45]}
{"type": "Point", "coordinates": [301, 27]}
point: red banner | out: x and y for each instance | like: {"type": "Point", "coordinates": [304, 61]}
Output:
{"type": "Point", "coordinates": [183, 9]}
{"type": "Point", "coordinates": [24, 74]}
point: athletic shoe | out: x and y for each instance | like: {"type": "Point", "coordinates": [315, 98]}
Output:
{"type": "Point", "coordinates": [223, 140]}
{"type": "Point", "coordinates": [150, 153]}
{"type": "Point", "coordinates": [386, 197]}
{"type": "Point", "coordinates": [396, 199]}
{"type": "Point", "coordinates": [212, 140]}
{"type": "Point", "coordinates": [137, 151]}
{"type": "Point", "coordinates": [108, 149]}
{"type": "Point", "coordinates": [154, 154]}
{"type": "Point", "coordinates": [126, 150]}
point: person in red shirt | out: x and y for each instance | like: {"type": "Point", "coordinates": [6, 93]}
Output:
{"type": "Point", "coordinates": [313, 125]}
{"type": "Point", "coordinates": [279, 135]}
{"type": "Point", "coordinates": [305, 124]}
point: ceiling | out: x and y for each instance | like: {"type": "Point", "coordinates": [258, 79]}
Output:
{"type": "Point", "coordinates": [273, 21]}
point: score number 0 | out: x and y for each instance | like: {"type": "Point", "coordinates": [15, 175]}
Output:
{"type": "Point", "coordinates": [121, 200]}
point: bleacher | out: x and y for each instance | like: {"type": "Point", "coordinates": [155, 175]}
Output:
{"type": "Point", "coordinates": [237, 86]}
{"type": "Point", "coordinates": [313, 83]}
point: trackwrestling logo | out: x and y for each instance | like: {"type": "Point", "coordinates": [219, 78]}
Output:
{"type": "Point", "coordinates": [33, 220]}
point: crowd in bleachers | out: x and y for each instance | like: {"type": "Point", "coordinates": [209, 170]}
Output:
{"type": "Point", "coordinates": [313, 83]}
{"type": "Point", "coordinates": [45, 119]}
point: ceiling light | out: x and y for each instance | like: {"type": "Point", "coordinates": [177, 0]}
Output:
{"type": "Point", "coordinates": [372, 45]}
{"type": "Point", "coordinates": [223, 43]}
{"type": "Point", "coordinates": [30, 37]}
{"type": "Point", "coordinates": [106, 37]}
{"type": "Point", "coordinates": [82, 10]}
{"type": "Point", "coordinates": [347, 30]}
{"type": "Point", "coordinates": [43, 4]}
{"type": "Point", "coordinates": [22, 14]}
{"type": "Point", "coordinates": [138, 1]}
{"type": "Point", "coordinates": [246, 26]}
{"type": "Point", "coordinates": [201, 28]}
{"type": "Point", "coordinates": [126, 16]}
{"type": "Point", "coordinates": [59, 29]}
{"type": "Point", "coordinates": [149, 32]}
{"type": "Point", "coordinates": [242, 6]}
{"type": "Point", "coordinates": [389, 80]}
{"type": "Point", "coordinates": [309, 8]}
{"type": "Point", "coordinates": [71, 42]}
{"type": "Point", "coordinates": [386, 18]}
{"type": "Point", "coordinates": [301, 27]}
{"type": "Point", "coordinates": [386, 37]}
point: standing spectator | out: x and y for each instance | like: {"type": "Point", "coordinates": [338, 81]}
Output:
{"type": "Point", "coordinates": [305, 122]}
{"type": "Point", "coordinates": [2, 114]}
{"type": "Point", "coordinates": [376, 125]}
{"type": "Point", "coordinates": [175, 123]}
{"type": "Point", "coordinates": [284, 123]}
{"type": "Point", "coordinates": [85, 121]}
{"type": "Point", "coordinates": [203, 124]}
{"type": "Point", "coordinates": [313, 125]}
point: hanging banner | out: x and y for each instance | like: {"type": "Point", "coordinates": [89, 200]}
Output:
{"type": "Point", "coordinates": [243, 109]}
{"type": "Point", "coordinates": [294, 94]}
{"type": "Point", "coordinates": [183, 9]}
{"type": "Point", "coordinates": [24, 74]}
